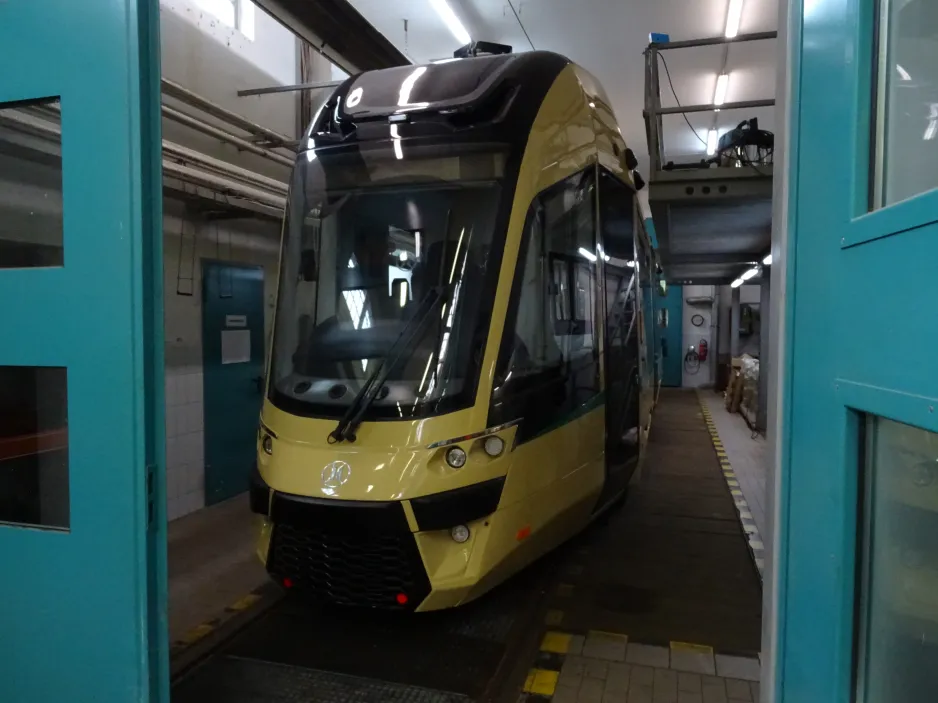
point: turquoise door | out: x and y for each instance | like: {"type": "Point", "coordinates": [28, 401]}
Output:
{"type": "Point", "coordinates": [82, 520]}
{"type": "Point", "coordinates": [233, 367]}
{"type": "Point", "coordinates": [669, 331]}
{"type": "Point", "coordinates": [857, 585]}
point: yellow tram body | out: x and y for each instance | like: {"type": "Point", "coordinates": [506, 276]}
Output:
{"type": "Point", "coordinates": [517, 505]}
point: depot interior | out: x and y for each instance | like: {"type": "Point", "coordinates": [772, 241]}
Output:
{"type": "Point", "coordinates": [241, 82]}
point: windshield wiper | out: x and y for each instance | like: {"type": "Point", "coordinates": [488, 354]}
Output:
{"type": "Point", "coordinates": [404, 344]}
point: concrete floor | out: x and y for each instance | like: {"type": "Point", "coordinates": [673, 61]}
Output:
{"type": "Point", "coordinates": [664, 599]}
{"type": "Point", "coordinates": [212, 563]}
{"type": "Point", "coordinates": [748, 455]}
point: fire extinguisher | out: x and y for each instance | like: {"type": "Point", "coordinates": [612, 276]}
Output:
{"type": "Point", "coordinates": [702, 350]}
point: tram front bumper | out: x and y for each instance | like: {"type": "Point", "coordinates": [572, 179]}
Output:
{"type": "Point", "coordinates": [381, 554]}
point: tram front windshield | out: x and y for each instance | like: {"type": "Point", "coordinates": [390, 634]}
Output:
{"type": "Point", "coordinates": [372, 242]}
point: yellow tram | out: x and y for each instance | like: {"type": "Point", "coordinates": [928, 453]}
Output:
{"type": "Point", "coordinates": [459, 379]}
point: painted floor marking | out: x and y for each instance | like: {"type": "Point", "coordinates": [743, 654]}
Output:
{"type": "Point", "coordinates": [756, 547]}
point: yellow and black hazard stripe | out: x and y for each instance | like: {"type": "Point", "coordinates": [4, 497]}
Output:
{"type": "Point", "coordinates": [756, 546]}
{"type": "Point", "coordinates": [203, 630]}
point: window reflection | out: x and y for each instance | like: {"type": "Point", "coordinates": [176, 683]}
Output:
{"type": "Point", "coordinates": [34, 446]}
{"type": "Point", "coordinates": [30, 185]}
{"type": "Point", "coordinates": [898, 627]}
{"type": "Point", "coordinates": [908, 111]}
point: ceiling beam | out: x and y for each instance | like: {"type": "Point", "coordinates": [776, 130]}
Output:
{"type": "Point", "coordinates": [338, 31]}
{"type": "Point", "coordinates": [698, 280]}
{"type": "Point", "coordinates": [711, 41]}
{"type": "Point", "coordinates": [745, 183]}
{"type": "Point", "coordinates": [732, 258]}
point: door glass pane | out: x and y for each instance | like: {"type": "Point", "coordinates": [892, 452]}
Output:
{"type": "Point", "coordinates": [898, 627]}
{"type": "Point", "coordinates": [34, 446]}
{"type": "Point", "coordinates": [30, 185]}
{"type": "Point", "coordinates": [907, 137]}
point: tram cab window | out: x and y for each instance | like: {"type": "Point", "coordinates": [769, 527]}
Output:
{"type": "Point", "coordinates": [371, 243]}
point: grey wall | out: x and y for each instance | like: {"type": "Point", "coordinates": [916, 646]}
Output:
{"type": "Point", "coordinates": [216, 61]}
{"type": "Point", "coordinates": [749, 293]}
{"type": "Point", "coordinates": [750, 344]}
{"type": "Point", "coordinates": [188, 239]}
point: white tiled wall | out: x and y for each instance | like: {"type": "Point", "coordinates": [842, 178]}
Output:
{"type": "Point", "coordinates": [247, 242]}
{"type": "Point", "coordinates": [185, 467]}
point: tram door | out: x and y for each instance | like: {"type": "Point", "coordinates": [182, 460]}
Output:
{"type": "Point", "coordinates": [81, 499]}
{"type": "Point", "coordinates": [621, 334]}
{"type": "Point", "coordinates": [857, 586]}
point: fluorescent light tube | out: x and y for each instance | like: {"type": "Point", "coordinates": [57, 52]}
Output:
{"type": "Point", "coordinates": [749, 274]}
{"type": "Point", "coordinates": [451, 20]}
{"type": "Point", "coordinates": [719, 93]}
{"type": "Point", "coordinates": [733, 13]}
{"type": "Point", "coordinates": [767, 261]}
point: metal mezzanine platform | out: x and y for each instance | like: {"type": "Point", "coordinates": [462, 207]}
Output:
{"type": "Point", "coordinates": [610, 611]}
{"type": "Point", "coordinates": [713, 217]}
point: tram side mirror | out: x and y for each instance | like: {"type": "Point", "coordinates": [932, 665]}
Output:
{"type": "Point", "coordinates": [631, 163]}
{"type": "Point", "coordinates": [308, 270]}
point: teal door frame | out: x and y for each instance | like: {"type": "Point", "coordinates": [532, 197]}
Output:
{"type": "Point", "coordinates": [855, 343]}
{"type": "Point", "coordinates": [83, 609]}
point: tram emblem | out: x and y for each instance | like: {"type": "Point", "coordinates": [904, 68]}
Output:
{"type": "Point", "coordinates": [336, 474]}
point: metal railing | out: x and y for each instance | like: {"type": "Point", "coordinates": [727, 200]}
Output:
{"type": "Point", "coordinates": [653, 110]}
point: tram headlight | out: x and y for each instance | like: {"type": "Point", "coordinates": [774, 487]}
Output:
{"type": "Point", "coordinates": [267, 444]}
{"type": "Point", "coordinates": [460, 534]}
{"type": "Point", "coordinates": [456, 457]}
{"type": "Point", "coordinates": [494, 446]}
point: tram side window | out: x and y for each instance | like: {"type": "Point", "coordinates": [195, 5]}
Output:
{"type": "Point", "coordinates": [616, 203]}
{"type": "Point", "coordinates": [569, 234]}
{"type": "Point", "coordinates": [547, 365]}
{"type": "Point", "coordinates": [535, 346]}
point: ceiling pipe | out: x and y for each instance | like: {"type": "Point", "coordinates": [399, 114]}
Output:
{"type": "Point", "coordinates": [710, 107]}
{"type": "Point", "coordinates": [187, 96]}
{"type": "Point", "coordinates": [195, 123]}
{"type": "Point", "coordinates": [220, 134]}
{"type": "Point", "coordinates": [223, 186]}
{"type": "Point", "coordinates": [210, 163]}
{"type": "Point", "coordinates": [226, 181]}
{"type": "Point", "coordinates": [322, 85]}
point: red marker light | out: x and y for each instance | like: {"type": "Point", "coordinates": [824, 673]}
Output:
{"type": "Point", "coordinates": [288, 583]}
{"type": "Point", "coordinates": [523, 533]}
{"type": "Point", "coordinates": [402, 599]}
